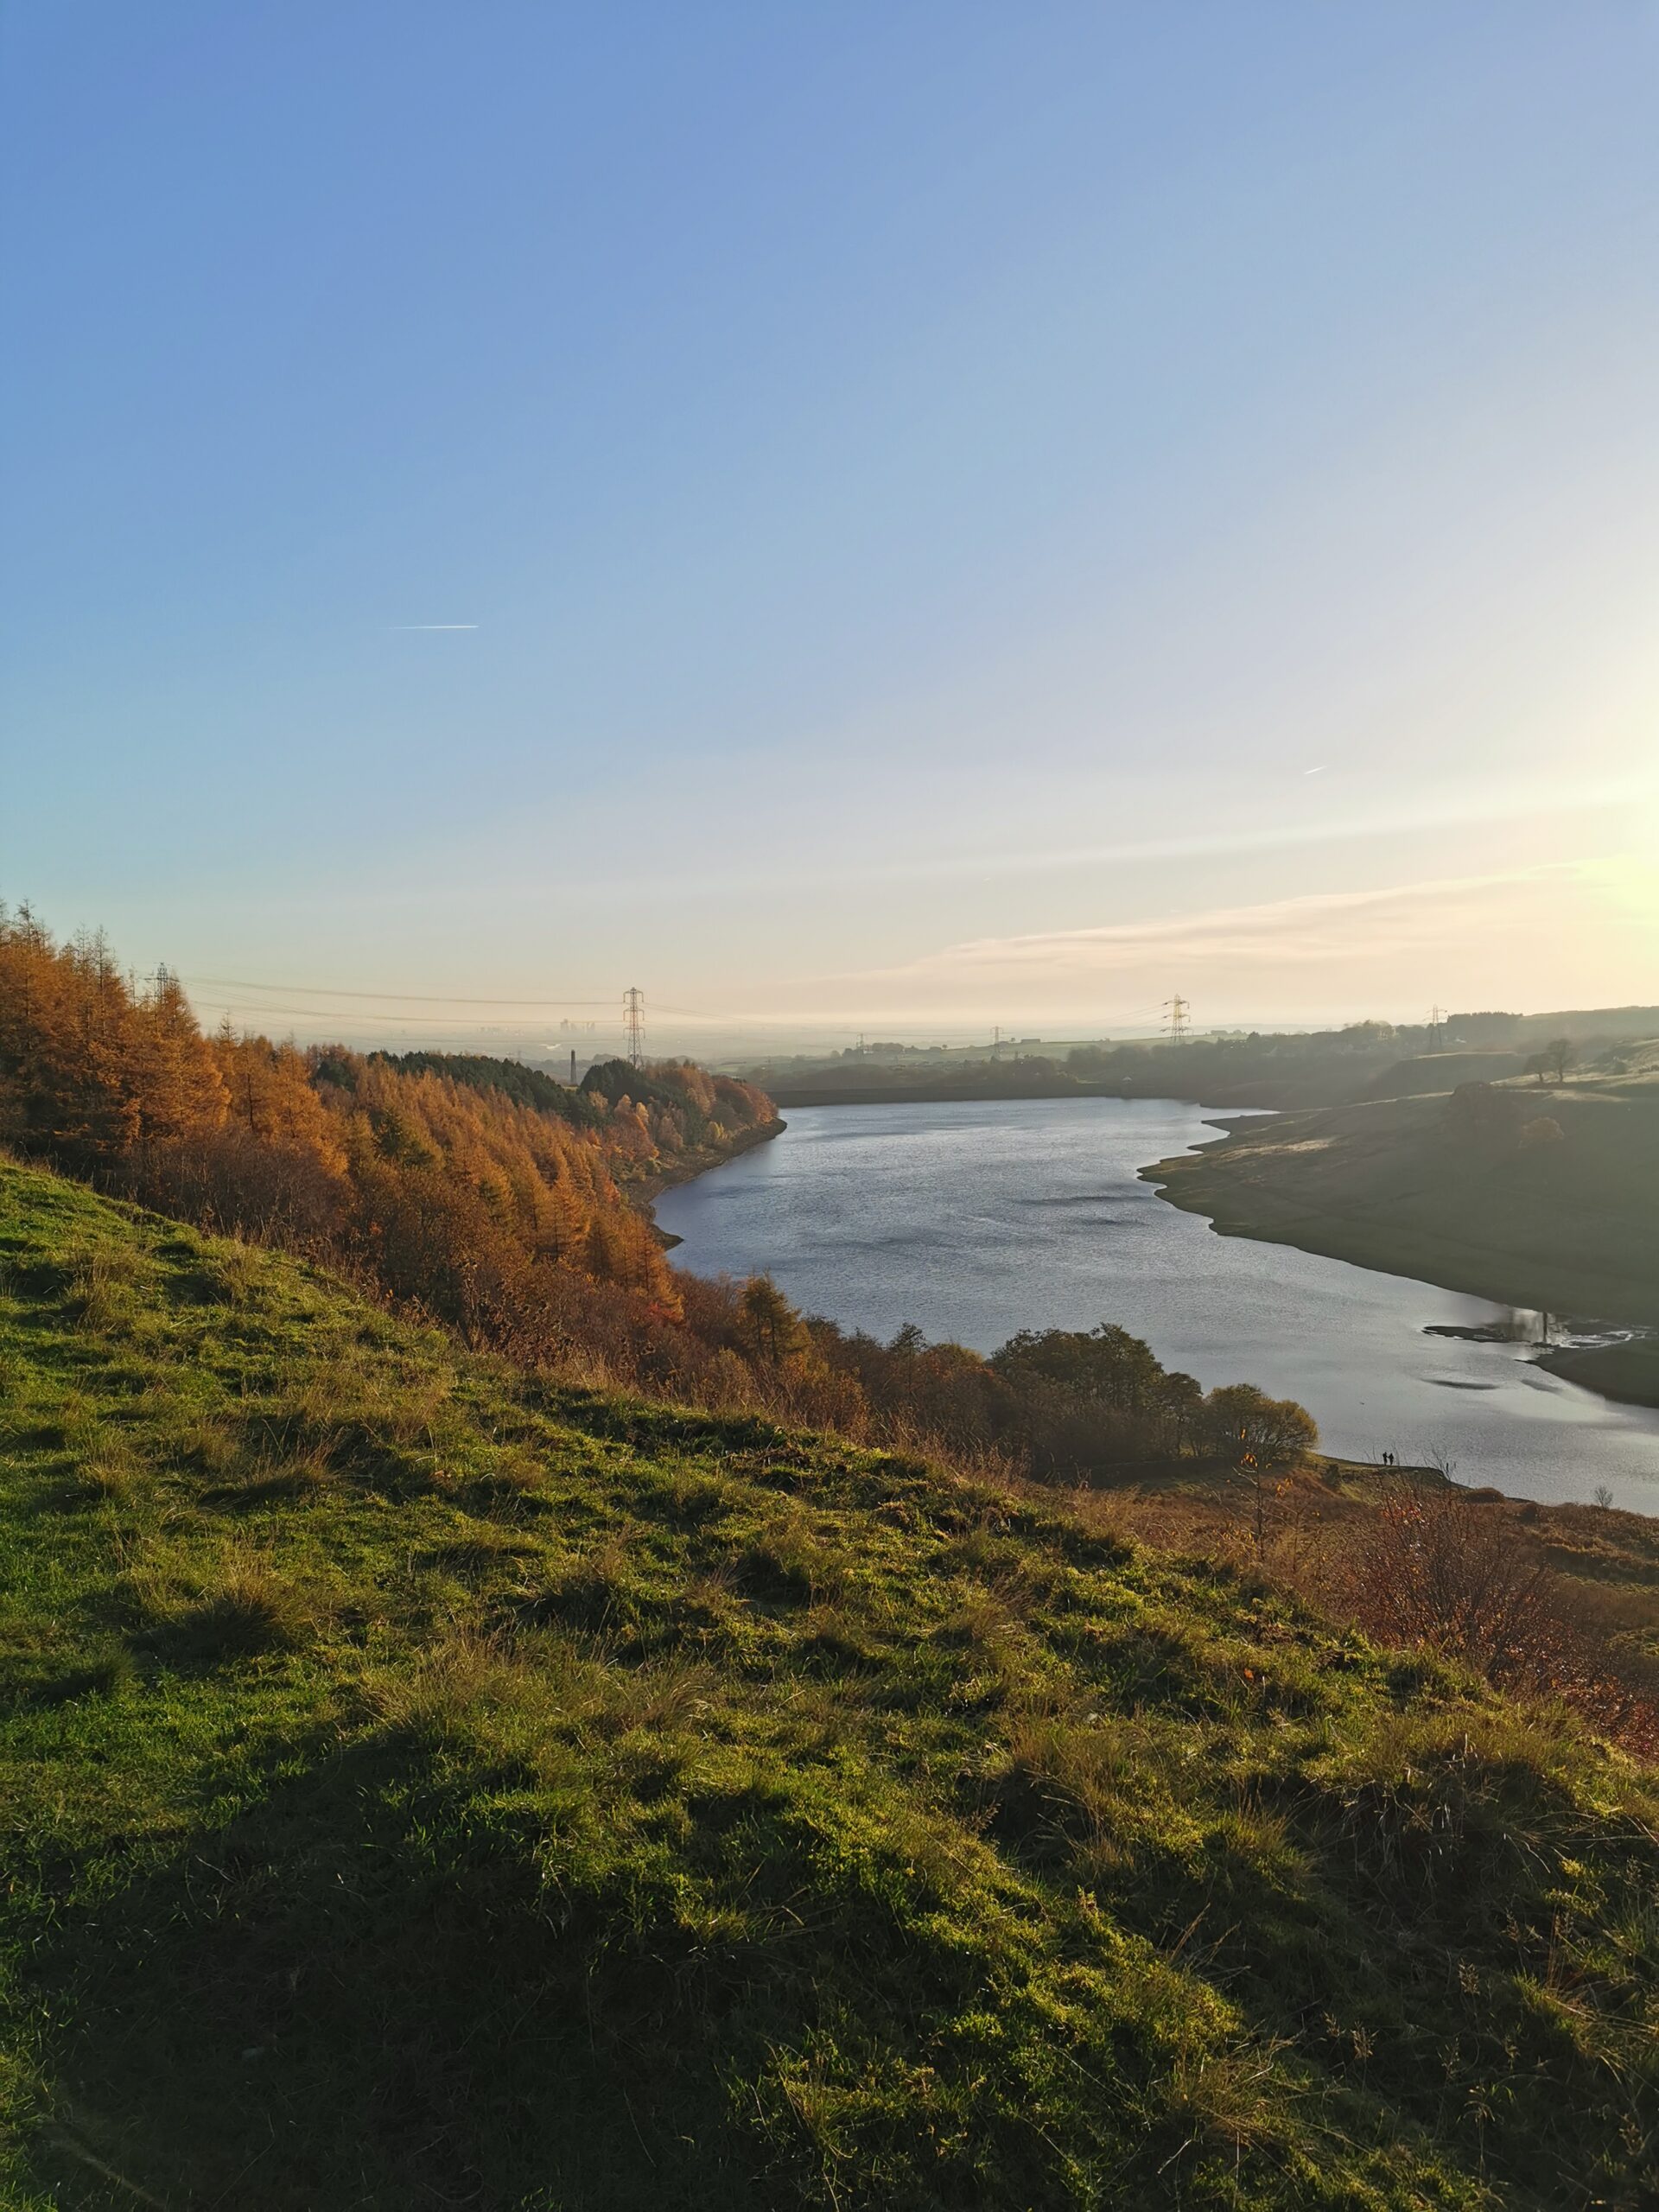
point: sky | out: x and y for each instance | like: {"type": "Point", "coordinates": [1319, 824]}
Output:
{"type": "Point", "coordinates": [895, 515]}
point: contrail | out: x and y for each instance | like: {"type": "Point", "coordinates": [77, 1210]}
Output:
{"type": "Point", "coordinates": [435, 625]}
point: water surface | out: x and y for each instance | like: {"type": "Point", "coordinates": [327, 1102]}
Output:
{"type": "Point", "coordinates": [978, 1219]}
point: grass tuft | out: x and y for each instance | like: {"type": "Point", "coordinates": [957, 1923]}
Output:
{"type": "Point", "coordinates": [99, 1291]}
{"type": "Point", "coordinates": [242, 1606]}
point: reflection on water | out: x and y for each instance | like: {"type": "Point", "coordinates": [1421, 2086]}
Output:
{"type": "Point", "coordinates": [976, 1219]}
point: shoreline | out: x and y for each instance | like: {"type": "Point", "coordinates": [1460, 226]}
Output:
{"type": "Point", "coordinates": [1625, 1373]}
{"type": "Point", "coordinates": [644, 1191]}
{"type": "Point", "coordinates": [1584, 1365]}
{"type": "Point", "coordinates": [1448, 1263]}
{"type": "Point", "coordinates": [1382, 1187]}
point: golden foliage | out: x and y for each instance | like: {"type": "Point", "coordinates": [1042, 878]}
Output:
{"type": "Point", "coordinates": [457, 1198]}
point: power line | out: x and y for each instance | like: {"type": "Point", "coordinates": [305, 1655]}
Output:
{"type": "Point", "coordinates": [407, 998]}
{"type": "Point", "coordinates": [357, 1018]}
{"type": "Point", "coordinates": [465, 998]}
{"type": "Point", "coordinates": [443, 999]}
{"type": "Point", "coordinates": [290, 1000]}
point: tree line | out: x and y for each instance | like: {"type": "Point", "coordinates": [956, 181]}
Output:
{"type": "Point", "coordinates": [455, 1195]}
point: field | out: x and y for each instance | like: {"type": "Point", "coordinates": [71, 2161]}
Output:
{"type": "Point", "coordinates": [1569, 1225]}
{"type": "Point", "coordinates": [428, 1786]}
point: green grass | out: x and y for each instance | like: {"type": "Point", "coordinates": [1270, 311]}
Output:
{"type": "Point", "coordinates": [1571, 1227]}
{"type": "Point", "coordinates": [425, 1787]}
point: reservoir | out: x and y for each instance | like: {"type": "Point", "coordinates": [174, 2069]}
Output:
{"type": "Point", "coordinates": [976, 1219]}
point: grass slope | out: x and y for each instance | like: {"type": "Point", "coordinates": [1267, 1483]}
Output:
{"type": "Point", "coordinates": [424, 1787]}
{"type": "Point", "coordinates": [1573, 1227]}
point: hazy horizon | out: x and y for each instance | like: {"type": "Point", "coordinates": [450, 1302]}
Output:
{"type": "Point", "coordinates": [902, 520]}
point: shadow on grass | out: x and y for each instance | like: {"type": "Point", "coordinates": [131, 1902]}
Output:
{"type": "Point", "coordinates": [359, 1995]}
{"type": "Point", "coordinates": [35, 1683]}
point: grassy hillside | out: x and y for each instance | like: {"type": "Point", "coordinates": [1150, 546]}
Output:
{"type": "Point", "coordinates": [1437, 1072]}
{"type": "Point", "coordinates": [1284, 1069]}
{"type": "Point", "coordinates": [1570, 1225]}
{"type": "Point", "coordinates": [1275, 1071]}
{"type": "Point", "coordinates": [424, 1787]}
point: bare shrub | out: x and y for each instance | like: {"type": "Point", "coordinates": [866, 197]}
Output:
{"type": "Point", "coordinates": [1439, 1568]}
{"type": "Point", "coordinates": [1429, 1567]}
{"type": "Point", "coordinates": [1454, 1570]}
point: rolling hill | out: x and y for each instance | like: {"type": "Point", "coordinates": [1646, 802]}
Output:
{"type": "Point", "coordinates": [427, 1785]}
{"type": "Point", "coordinates": [1533, 1197]}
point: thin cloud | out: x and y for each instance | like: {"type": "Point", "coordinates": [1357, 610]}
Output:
{"type": "Point", "coordinates": [1312, 928]}
{"type": "Point", "coordinates": [1523, 937]}
{"type": "Point", "coordinates": [435, 625]}
{"type": "Point", "coordinates": [1524, 800]}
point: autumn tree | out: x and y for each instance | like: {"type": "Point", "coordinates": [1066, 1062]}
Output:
{"type": "Point", "coordinates": [621, 1249]}
{"type": "Point", "coordinates": [271, 1097]}
{"type": "Point", "coordinates": [771, 1332]}
{"type": "Point", "coordinates": [1243, 1423]}
{"type": "Point", "coordinates": [172, 1068]}
{"type": "Point", "coordinates": [91, 1068]}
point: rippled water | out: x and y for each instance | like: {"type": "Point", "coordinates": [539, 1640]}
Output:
{"type": "Point", "coordinates": [974, 1220]}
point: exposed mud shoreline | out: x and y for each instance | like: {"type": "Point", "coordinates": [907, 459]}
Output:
{"type": "Point", "coordinates": [1627, 1372]}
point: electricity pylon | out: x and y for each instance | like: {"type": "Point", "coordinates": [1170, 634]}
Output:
{"type": "Point", "coordinates": [633, 1024]}
{"type": "Point", "coordinates": [1179, 1011]}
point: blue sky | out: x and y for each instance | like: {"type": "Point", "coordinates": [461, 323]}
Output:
{"type": "Point", "coordinates": [969, 512]}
